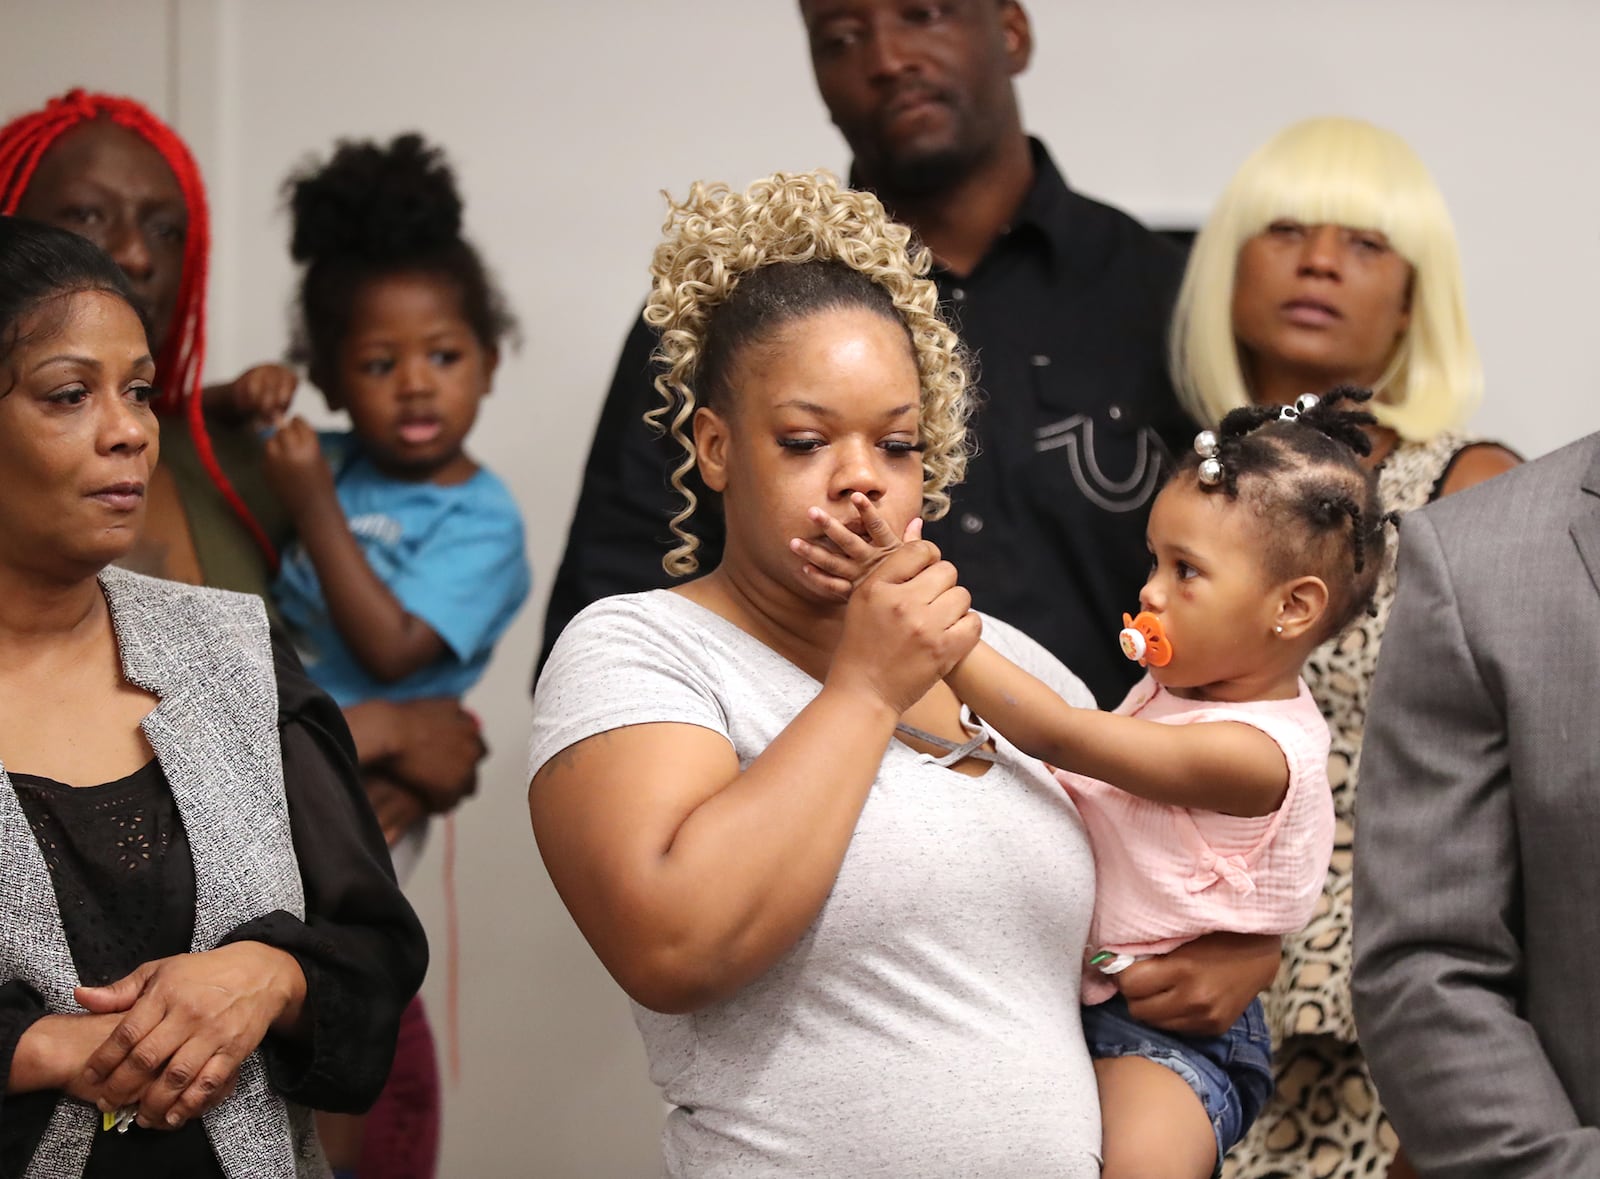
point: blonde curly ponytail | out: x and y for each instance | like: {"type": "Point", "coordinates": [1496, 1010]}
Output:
{"type": "Point", "coordinates": [716, 237]}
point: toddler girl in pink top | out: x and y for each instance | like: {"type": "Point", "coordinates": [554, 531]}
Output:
{"type": "Point", "coordinates": [1166, 873]}
{"type": "Point", "coordinates": [1205, 794]}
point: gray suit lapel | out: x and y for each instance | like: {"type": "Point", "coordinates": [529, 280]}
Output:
{"type": "Point", "coordinates": [1585, 526]}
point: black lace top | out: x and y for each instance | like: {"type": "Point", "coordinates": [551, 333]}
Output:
{"type": "Point", "coordinates": [124, 881]}
{"type": "Point", "coordinates": [108, 849]}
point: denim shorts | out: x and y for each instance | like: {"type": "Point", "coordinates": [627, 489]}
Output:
{"type": "Point", "coordinates": [1230, 1073]}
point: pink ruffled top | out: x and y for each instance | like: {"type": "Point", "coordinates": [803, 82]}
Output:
{"type": "Point", "coordinates": [1165, 875]}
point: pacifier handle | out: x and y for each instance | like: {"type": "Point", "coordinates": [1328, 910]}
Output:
{"type": "Point", "coordinates": [1144, 640]}
{"type": "Point", "coordinates": [1132, 642]}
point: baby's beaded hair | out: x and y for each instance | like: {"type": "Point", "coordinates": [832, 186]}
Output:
{"type": "Point", "coordinates": [1299, 469]}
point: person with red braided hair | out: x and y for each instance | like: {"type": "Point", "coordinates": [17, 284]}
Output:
{"type": "Point", "coordinates": [108, 169]}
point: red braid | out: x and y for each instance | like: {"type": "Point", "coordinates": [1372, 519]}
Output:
{"type": "Point", "coordinates": [180, 358]}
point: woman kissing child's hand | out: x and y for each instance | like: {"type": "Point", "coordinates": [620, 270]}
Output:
{"type": "Point", "coordinates": [836, 567]}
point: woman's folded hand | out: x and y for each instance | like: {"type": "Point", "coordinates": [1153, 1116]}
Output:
{"type": "Point", "coordinates": [186, 1024]}
{"type": "Point", "coordinates": [908, 623]}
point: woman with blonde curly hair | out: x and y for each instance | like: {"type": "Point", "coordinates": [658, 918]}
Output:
{"type": "Point", "coordinates": [850, 917]}
{"type": "Point", "coordinates": [1331, 259]}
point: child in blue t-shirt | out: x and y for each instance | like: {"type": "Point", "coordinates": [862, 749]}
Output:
{"type": "Point", "coordinates": [450, 556]}
{"type": "Point", "coordinates": [409, 560]}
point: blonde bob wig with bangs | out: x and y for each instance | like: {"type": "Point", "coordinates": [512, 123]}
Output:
{"type": "Point", "coordinates": [1335, 171]}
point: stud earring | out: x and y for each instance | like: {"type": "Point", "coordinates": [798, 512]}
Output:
{"type": "Point", "coordinates": [1278, 628]}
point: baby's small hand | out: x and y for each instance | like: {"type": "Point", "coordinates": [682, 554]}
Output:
{"type": "Point", "coordinates": [296, 470]}
{"type": "Point", "coordinates": [837, 571]}
{"type": "Point", "coordinates": [262, 394]}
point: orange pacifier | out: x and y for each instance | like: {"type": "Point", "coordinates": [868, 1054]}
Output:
{"type": "Point", "coordinates": [1144, 641]}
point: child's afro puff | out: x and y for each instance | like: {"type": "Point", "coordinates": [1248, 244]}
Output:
{"type": "Point", "coordinates": [376, 211]}
{"type": "Point", "coordinates": [381, 204]}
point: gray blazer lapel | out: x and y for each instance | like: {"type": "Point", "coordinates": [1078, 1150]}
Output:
{"type": "Point", "coordinates": [1585, 526]}
{"type": "Point", "coordinates": [206, 656]}
{"type": "Point", "coordinates": [214, 730]}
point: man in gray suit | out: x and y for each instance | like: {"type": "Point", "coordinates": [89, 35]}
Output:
{"type": "Point", "coordinates": [1477, 864]}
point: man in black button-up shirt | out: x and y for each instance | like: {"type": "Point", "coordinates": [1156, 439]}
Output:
{"type": "Point", "coordinates": [1062, 300]}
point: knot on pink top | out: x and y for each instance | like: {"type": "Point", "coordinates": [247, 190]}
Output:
{"type": "Point", "coordinates": [1213, 868]}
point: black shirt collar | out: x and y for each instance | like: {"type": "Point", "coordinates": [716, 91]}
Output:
{"type": "Point", "coordinates": [1044, 210]}
{"type": "Point", "coordinates": [1046, 207]}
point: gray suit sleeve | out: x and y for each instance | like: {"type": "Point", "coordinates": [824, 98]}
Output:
{"type": "Point", "coordinates": [1438, 952]}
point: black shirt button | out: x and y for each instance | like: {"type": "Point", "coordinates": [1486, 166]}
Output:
{"type": "Point", "coordinates": [1038, 360]}
{"type": "Point", "coordinates": [1114, 413]}
{"type": "Point", "coordinates": [971, 522]}
{"type": "Point", "coordinates": [958, 294]}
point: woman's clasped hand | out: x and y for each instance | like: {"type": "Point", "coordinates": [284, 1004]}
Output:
{"type": "Point", "coordinates": [183, 1025]}
{"type": "Point", "coordinates": [908, 623]}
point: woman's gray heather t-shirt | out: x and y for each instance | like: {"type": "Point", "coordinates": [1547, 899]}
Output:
{"type": "Point", "coordinates": [927, 1023]}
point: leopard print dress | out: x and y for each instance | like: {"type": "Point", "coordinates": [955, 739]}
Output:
{"type": "Point", "coordinates": [1324, 1121]}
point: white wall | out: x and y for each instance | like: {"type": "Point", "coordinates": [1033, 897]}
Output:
{"type": "Point", "coordinates": [47, 46]}
{"type": "Point", "coordinates": [564, 120]}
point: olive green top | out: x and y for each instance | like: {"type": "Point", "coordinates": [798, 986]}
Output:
{"type": "Point", "coordinates": [229, 556]}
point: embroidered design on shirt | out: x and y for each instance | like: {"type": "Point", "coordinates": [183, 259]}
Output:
{"type": "Point", "coordinates": [1076, 434]}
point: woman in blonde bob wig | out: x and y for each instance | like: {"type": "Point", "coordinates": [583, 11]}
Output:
{"type": "Point", "coordinates": [845, 911]}
{"type": "Point", "coordinates": [1340, 172]}
{"type": "Point", "coordinates": [1331, 258]}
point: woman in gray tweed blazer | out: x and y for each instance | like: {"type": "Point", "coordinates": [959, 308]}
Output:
{"type": "Point", "coordinates": [199, 931]}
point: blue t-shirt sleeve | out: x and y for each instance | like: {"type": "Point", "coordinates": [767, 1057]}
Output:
{"type": "Point", "coordinates": [470, 578]}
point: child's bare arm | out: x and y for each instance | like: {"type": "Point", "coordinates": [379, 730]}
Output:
{"type": "Point", "coordinates": [385, 638]}
{"type": "Point", "coordinates": [1023, 708]}
{"type": "Point", "coordinates": [1222, 766]}
{"type": "Point", "coordinates": [1225, 766]}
